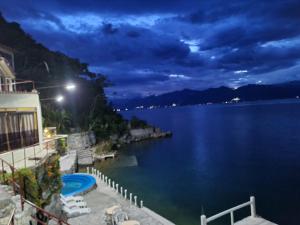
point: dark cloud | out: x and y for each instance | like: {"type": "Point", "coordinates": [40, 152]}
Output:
{"type": "Point", "coordinates": [157, 46]}
{"type": "Point", "coordinates": [133, 34]}
{"type": "Point", "coordinates": [108, 28]}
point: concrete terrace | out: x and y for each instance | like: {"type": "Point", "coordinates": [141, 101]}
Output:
{"type": "Point", "coordinates": [104, 197]}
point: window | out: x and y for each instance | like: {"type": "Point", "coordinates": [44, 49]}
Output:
{"type": "Point", "coordinates": [17, 130]}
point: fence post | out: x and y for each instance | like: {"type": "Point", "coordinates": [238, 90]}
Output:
{"type": "Point", "coordinates": [88, 170]}
{"type": "Point", "coordinates": [125, 194]}
{"type": "Point", "coordinates": [253, 208]}
{"type": "Point", "coordinates": [24, 158]}
{"type": "Point", "coordinates": [113, 185]}
{"type": "Point", "coordinates": [3, 175]}
{"type": "Point", "coordinates": [130, 198]}
{"type": "Point", "coordinates": [141, 204]}
{"type": "Point", "coordinates": [231, 218]}
{"type": "Point", "coordinates": [121, 191]}
{"type": "Point", "coordinates": [22, 192]}
{"type": "Point", "coordinates": [34, 155]}
{"type": "Point", "coordinates": [203, 220]}
{"type": "Point", "coordinates": [109, 182]}
{"type": "Point", "coordinates": [13, 158]}
{"type": "Point", "coordinates": [13, 179]}
{"type": "Point", "coordinates": [135, 200]}
{"type": "Point", "coordinates": [117, 188]}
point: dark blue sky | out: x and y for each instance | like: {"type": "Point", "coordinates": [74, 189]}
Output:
{"type": "Point", "coordinates": [150, 47]}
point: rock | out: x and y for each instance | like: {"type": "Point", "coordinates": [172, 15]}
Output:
{"type": "Point", "coordinates": [55, 207]}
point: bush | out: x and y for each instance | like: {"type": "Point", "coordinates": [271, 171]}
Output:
{"type": "Point", "coordinates": [138, 123]}
{"type": "Point", "coordinates": [62, 146]}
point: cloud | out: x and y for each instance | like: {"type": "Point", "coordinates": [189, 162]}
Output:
{"type": "Point", "coordinates": [157, 46]}
{"type": "Point", "coordinates": [179, 76]}
{"type": "Point", "coordinates": [240, 71]}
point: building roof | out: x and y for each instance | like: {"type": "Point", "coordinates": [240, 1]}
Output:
{"type": "Point", "coordinates": [6, 49]}
{"type": "Point", "coordinates": [5, 69]}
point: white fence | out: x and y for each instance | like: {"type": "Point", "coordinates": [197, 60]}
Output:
{"type": "Point", "coordinates": [133, 199]}
{"type": "Point", "coordinates": [250, 203]}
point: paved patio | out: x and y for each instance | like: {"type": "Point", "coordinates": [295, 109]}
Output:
{"type": "Point", "coordinates": [104, 197]}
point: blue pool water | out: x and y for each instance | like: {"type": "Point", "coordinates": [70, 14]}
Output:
{"type": "Point", "coordinates": [76, 183]}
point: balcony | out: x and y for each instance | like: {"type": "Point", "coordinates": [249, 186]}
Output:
{"type": "Point", "coordinates": [30, 156]}
{"type": "Point", "coordinates": [8, 86]}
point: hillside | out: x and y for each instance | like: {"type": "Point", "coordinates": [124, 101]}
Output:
{"type": "Point", "coordinates": [251, 92]}
{"type": "Point", "coordinates": [86, 109]}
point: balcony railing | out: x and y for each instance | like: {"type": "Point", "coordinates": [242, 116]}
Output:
{"type": "Point", "coordinates": [29, 156]}
{"type": "Point", "coordinates": [26, 86]}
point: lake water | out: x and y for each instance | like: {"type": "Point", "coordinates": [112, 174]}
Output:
{"type": "Point", "coordinates": [218, 156]}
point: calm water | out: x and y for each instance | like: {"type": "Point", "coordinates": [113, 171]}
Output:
{"type": "Point", "coordinates": [218, 156]}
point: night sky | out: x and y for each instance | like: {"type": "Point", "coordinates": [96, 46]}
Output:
{"type": "Point", "coordinates": [152, 47]}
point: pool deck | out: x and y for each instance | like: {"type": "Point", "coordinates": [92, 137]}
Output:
{"type": "Point", "coordinates": [104, 197]}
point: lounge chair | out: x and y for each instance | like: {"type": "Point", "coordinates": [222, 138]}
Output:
{"type": "Point", "coordinates": [121, 218]}
{"type": "Point", "coordinates": [72, 203]}
{"type": "Point", "coordinates": [76, 211]}
{"type": "Point", "coordinates": [72, 198]}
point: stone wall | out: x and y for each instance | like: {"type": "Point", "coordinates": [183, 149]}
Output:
{"type": "Point", "coordinates": [141, 133]}
{"type": "Point", "coordinates": [81, 140]}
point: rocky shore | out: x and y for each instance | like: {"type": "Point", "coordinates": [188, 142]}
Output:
{"type": "Point", "coordinates": [141, 134]}
{"type": "Point", "coordinates": [84, 150]}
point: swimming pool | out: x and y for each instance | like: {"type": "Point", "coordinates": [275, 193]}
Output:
{"type": "Point", "coordinates": [77, 183]}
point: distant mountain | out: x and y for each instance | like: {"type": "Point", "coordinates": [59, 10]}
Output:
{"type": "Point", "coordinates": [251, 92]}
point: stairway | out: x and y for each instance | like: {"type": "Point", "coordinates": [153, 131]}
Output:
{"type": "Point", "coordinates": [81, 144]}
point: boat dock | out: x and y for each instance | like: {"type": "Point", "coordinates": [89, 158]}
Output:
{"type": "Point", "coordinates": [105, 156]}
{"type": "Point", "coordinates": [253, 219]}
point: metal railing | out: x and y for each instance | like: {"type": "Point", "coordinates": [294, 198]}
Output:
{"type": "Point", "coordinates": [18, 190]}
{"type": "Point", "coordinates": [11, 220]}
{"type": "Point", "coordinates": [25, 86]}
{"type": "Point", "coordinates": [46, 216]}
{"type": "Point", "coordinates": [31, 152]}
{"type": "Point", "coordinates": [133, 199]}
{"type": "Point", "coordinates": [250, 203]}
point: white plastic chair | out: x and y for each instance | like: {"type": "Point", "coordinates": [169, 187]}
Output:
{"type": "Point", "coordinates": [121, 218]}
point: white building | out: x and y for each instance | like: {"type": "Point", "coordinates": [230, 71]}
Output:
{"type": "Point", "coordinates": [21, 131]}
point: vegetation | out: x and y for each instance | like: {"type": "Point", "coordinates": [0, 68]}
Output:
{"type": "Point", "coordinates": [138, 123]}
{"type": "Point", "coordinates": [40, 184]}
{"type": "Point", "coordinates": [104, 147]}
{"type": "Point", "coordinates": [87, 108]}
{"type": "Point", "coordinates": [61, 146]}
